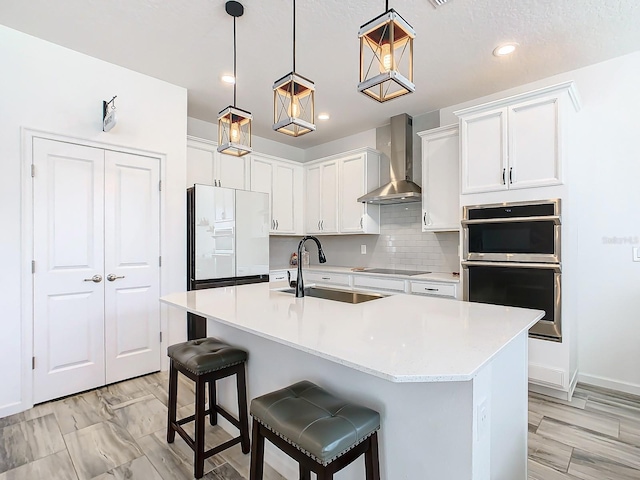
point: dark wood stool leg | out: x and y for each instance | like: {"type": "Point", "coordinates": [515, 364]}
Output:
{"type": "Point", "coordinates": [257, 453]}
{"type": "Point", "coordinates": [173, 402]}
{"type": "Point", "coordinates": [371, 460]}
{"type": "Point", "coordinates": [324, 474]}
{"type": "Point", "coordinates": [198, 467]}
{"type": "Point", "coordinates": [213, 415]}
{"type": "Point", "coordinates": [243, 414]}
{"type": "Point", "coordinates": [305, 473]}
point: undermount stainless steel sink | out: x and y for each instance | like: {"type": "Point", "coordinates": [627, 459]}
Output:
{"type": "Point", "coordinates": [345, 296]}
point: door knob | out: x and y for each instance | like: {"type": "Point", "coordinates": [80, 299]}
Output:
{"type": "Point", "coordinates": [94, 279]}
{"type": "Point", "coordinates": [111, 277]}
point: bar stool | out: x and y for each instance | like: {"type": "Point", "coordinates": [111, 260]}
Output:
{"type": "Point", "coordinates": [321, 432]}
{"type": "Point", "coordinates": [205, 361]}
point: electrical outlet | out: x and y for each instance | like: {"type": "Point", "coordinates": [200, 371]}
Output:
{"type": "Point", "coordinates": [482, 419]}
{"type": "Point", "coordinates": [363, 249]}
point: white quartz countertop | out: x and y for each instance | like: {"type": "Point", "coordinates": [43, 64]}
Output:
{"type": "Point", "coordinates": [401, 338]}
{"type": "Point", "coordinates": [434, 276]}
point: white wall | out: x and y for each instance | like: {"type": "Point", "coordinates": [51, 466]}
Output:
{"type": "Point", "coordinates": [352, 142]}
{"type": "Point", "coordinates": [53, 89]}
{"type": "Point", "coordinates": [202, 129]}
{"type": "Point", "coordinates": [603, 175]}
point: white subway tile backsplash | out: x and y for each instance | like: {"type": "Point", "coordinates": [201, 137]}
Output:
{"type": "Point", "coordinates": [401, 244]}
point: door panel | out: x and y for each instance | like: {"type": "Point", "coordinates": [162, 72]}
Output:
{"type": "Point", "coordinates": [283, 180]}
{"type": "Point", "coordinates": [329, 198]}
{"type": "Point", "coordinates": [68, 244]}
{"type": "Point", "coordinates": [131, 255]}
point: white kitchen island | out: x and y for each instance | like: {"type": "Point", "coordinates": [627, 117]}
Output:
{"type": "Point", "coordinates": [449, 378]}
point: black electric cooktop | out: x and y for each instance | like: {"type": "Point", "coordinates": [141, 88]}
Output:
{"type": "Point", "coordinates": [393, 271]}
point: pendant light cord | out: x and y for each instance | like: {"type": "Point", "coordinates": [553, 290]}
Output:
{"type": "Point", "coordinates": [235, 78]}
{"type": "Point", "coordinates": [294, 35]}
{"type": "Point", "coordinates": [387, 6]}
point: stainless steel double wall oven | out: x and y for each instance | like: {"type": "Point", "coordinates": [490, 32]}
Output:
{"type": "Point", "coordinates": [512, 257]}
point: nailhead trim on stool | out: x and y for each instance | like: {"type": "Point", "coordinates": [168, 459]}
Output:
{"type": "Point", "coordinates": [322, 432]}
{"type": "Point", "coordinates": [204, 361]}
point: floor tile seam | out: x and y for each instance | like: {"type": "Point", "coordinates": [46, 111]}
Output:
{"type": "Point", "coordinates": [584, 429]}
{"type": "Point", "coordinates": [578, 411]}
{"type": "Point", "coordinates": [73, 464]}
{"type": "Point", "coordinates": [608, 417]}
{"type": "Point", "coordinates": [610, 460]}
{"type": "Point", "coordinates": [600, 453]}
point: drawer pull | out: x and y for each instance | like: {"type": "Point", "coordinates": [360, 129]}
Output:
{"type": "Point", "coordinates": [280, 278]}
{"type": "Point", "coordinates": [326, 278]}
{"type": "Point", "coordinates": [431, 289]}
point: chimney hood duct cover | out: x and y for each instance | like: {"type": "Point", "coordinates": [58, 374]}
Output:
{"type": "Point", "coordinates": [401, 188]}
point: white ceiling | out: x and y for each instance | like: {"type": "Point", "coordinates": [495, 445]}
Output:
{"type": "Point", "coordinates": [189, 43]}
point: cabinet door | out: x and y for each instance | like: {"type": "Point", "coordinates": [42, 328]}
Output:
{"type": "Point", "coordinates": [352, 186]}
{"type": "Point", "coordinates": [200, 163]}
{"type": "Point", "coordinates": [329, 197]}
{"type": "Point", "coordinates": [232, 172]}
{"type": "Point", "coordinates": [261, 181]}
{"type": "Point", "coordinates": [312, 199]}
{"type": "Point", "coordinates": [282, 203]}
{"type": "Point", "coordinates": [484, 151]}
{"type": "Point", "coordinates": [534, 144]}
{"type": "Point", "coordinates": [440, 180]}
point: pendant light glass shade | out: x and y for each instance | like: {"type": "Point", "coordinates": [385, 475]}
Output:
{"type": "Point", "coordinates": [294, 99]}
{"type": "Point", "coordinates": [234, 124]}
{"type": "Point", "coordinates": [386, 57]}
{"type": "Point", "coordinates": [293, 105]}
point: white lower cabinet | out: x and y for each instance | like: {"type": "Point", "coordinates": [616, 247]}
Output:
{"type": "Point", "coordinates": [434, 288]}
{"type": "Point", "coordinates": [384, 285]}
{"type": "Point", "coordinates": [330, 279]}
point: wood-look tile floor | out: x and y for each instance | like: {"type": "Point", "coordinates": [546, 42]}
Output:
{"type": "Point", "coordinates": [118, 432]}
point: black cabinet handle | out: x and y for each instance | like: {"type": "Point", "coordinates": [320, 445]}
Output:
{"type": "Point", "coordinates": [510, 174]}
{"type": "Point", "coordinates": [504, 171]}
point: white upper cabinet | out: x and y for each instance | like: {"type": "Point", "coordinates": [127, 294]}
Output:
{"type": "Point", "coordinates": [332, 188]}
{"type": "Point", "coordinates": [282, 180]}
{"type": "Point", "coordinates": [440, 179]}
{"type": "Point", "coordinates": [206, 166]}
{"type": "Point", "coordinates": [359, 174]}
{"type": "Point", "coordinates": [516, 142]}
{"type": "Point", "coordinates": [322, 198]}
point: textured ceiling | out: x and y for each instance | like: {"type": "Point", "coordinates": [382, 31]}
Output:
{"type": "Point", "coordinates": [189, 43]}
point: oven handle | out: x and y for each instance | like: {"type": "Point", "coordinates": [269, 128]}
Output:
{"type": "Point", "coordinates": [556, 267]}
{"type": "Point", "coordinates": [547, 218]}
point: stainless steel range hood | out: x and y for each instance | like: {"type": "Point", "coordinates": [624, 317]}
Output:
{"type": "Point", "coordinates": [401, 188]}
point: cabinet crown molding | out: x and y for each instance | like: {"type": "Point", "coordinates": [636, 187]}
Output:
{"type": "Point", "coordinates": [342, 155]}
{"type": "Point", "coordinates": [568, 87]}
{"type": "Point", "coordinates": [439, 131]}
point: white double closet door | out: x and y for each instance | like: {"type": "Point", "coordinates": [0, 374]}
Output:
{"type": "Point", "coordinates": [96, 282]}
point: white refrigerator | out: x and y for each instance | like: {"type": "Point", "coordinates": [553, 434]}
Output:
{"type": "Point", "coordinates": [227, 241]}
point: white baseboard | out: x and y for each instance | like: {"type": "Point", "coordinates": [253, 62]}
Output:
{"type": "Point", "coordinates": [609, 383]}
{"type": "Point", "coordinates": [13, 408]}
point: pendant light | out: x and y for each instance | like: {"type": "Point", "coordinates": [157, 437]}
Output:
{"type": "Point", "coordinates": [294, 99]}
{"type": "Point", "coordinates": [234, 124]}
{"type": "Point", "coordinates": [386, 56]}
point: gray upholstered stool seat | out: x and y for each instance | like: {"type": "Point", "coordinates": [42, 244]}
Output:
{"type": "Point", "coordinates": [204, 361]}
{"type": "Point", "coordinates": [205, 355]}
{"type": "Point", "coordinates": [319, 430]}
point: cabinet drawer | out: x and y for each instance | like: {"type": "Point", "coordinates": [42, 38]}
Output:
{"type": "Point", "coordinates": [390, 284]}
{"type": "Point", "coordinates": [439, 289]}
{"type": "Point", "coordinates": [281, 275]}
{"type": "Point", "coordinates": [327, 278]}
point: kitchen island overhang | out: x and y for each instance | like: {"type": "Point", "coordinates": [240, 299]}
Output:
{"type": "Point", "coordinates": [449, 378]}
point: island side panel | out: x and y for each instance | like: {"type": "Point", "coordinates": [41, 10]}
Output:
{"type": "Point", "coordinates": [427, 428]}
{"type": "Point", "coordinates": [509, 411]}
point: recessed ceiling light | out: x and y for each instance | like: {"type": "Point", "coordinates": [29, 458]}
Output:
{"type": "Point", "coordinates": [228, 79]}
{"type": "Point", "coordinates": [323, 116]}
{"type": "Point", "coordinates": [506, 49]}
